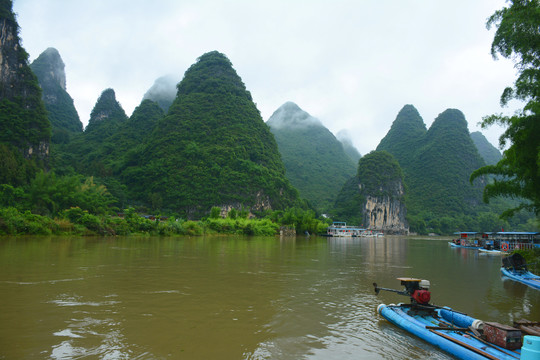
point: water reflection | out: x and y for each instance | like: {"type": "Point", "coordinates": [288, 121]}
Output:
{"type": "Point", "coordinates": [228, 297]}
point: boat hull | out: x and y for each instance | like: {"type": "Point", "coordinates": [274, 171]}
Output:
{"type": "Point", "coordinates": [491, 252]}
{"type": "Point", "coordinates": [463, 246]}
{"type": "Point", "coordinates": [524, 277]}
{"type": "Point", "coordinates": [457, 342]}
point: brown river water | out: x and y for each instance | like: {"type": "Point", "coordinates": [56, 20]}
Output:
{"type": "Point", "coordinates": [219, 297]}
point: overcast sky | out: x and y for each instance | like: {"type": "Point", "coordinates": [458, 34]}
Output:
{"type": "Point", "coordinates": [351, 64]}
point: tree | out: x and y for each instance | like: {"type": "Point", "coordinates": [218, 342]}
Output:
{"type": "Point", "coordinates": [518, 38]}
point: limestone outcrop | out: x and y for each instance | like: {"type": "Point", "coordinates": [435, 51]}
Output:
{"type": "Point", "coordinates": [385, 213]}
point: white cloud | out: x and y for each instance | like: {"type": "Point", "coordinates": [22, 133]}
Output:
{"type": "Point", "coordinates": [352, 64]}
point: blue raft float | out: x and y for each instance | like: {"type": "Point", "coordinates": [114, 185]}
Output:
{"type": "Point", "coordinates": [446, 329]}
{"type": "Point", "coordinates": [454, 332]}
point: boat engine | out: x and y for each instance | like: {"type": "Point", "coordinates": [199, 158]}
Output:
{"type": "Point", "coordinates": [422, 297]}
{"type": "Point", "coordinates": [416, 289]}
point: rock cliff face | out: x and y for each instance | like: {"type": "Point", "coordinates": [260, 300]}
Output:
{"type": "Point", "coordinates": [375, 197]}
{"type": "Point", "coordinates": [386, 213]}
{"type": "Point", "coordinates": [23, 119]}
{"type": "Point", "coordinates": [382, 188]}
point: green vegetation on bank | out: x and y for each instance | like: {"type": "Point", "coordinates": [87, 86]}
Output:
{"type": "Point", "coordinates": [74, 204]}
{"type": "Point", "coordinates": [81, 222]}
{"type": "Point", "coordinates": [532, 258]}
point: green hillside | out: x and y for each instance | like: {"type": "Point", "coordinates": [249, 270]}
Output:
{"type": "Point", "coordinates": [212, 148]}
{"type": "Point", "coordinates": [405, 135]}
{"type": "Point", "coordinates": [487, 151]}
{"type": "Point", "coordinates": [438, 176]}
{"type": "Point", "coordinates": [316, 162]}
{"type": "Point", "coordinates": [91, 152]}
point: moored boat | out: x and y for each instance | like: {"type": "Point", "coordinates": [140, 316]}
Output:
{"type": "Point", "coordinates": [466, 240]}
{"type": "Point", "coordinates": [447, 329]}
{"type": "Point", "coordinates": [515, 268]}
{"type": "Point", "coordinates": [454, 332]}
{"type": "Point", "coordinates": [490, 251]}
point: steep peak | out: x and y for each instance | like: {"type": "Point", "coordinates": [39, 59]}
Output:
{"type": "Point", "coordinates": [450, 121]}
{"type": "Point", "coordinates": [107, 107]}
{"type": "Point", "coordinates": [49, 68]}
{"type": "Point", "coordinates": [406, 131]}
{"type": "Point", "coordinates": [409, 115]}
{"type": "Point", "coordinates": [291, 116]}
{"type": "Point", "coordinates": [213, 73]}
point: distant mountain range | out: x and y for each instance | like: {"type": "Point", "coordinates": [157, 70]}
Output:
{"type": "Point", "coordinates": [436, 163]}
{"type": "Point", "coordinates": [201, 143]}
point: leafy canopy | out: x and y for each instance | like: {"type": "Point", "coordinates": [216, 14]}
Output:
{"type": "Point", "coordinates": [518, 38]}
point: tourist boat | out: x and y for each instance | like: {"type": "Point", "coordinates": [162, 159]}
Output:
{"type": "Point", "coordinates": [515, 268]}
{"type": "Point", "coordinates": [509, 241]}
{"type": "Point", "coordinates": [340, 229]}
{"type": "Point", "coordinates": [454, 332]}
{"type": "Point", "coordinates": [466, 240]}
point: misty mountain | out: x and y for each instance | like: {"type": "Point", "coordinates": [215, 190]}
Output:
{"type": "Point", "coordinates": [163, 91]}
{"type": "Point", "coordinates": [49, 69]}
{"type": "Point", "coordinates": [489, 153]}
{"type": "Point", "coordinates": [348, 146]}
{"type": "Point", "coordinates": [316, 162]}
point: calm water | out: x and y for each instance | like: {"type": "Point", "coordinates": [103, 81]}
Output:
{"type": "Point", "coordinates": [234, 298]}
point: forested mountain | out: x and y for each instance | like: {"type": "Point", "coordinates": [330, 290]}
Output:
{"type": "Point", "coordinates": [316, 162]}
{"type": "Point", "coordinates": [211, 149]}
{"type": "Point", "coordinates": [436, 164]}
{"type": "Point", "coordinates": [163, 91]}
{"type": "Point", "coordinates": [438, 177]}
{"type": "Point", "coordinates": [49, 69]}
{"type": "Point", "coordinates": [92, 152]}
{"type": "Point", "coordinates": [487, 151]}
{"type": "Point", "coordinates": [25, 131]}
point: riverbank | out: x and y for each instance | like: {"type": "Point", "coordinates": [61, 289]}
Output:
{"type": "Point", "coordinates": [75, 221]}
